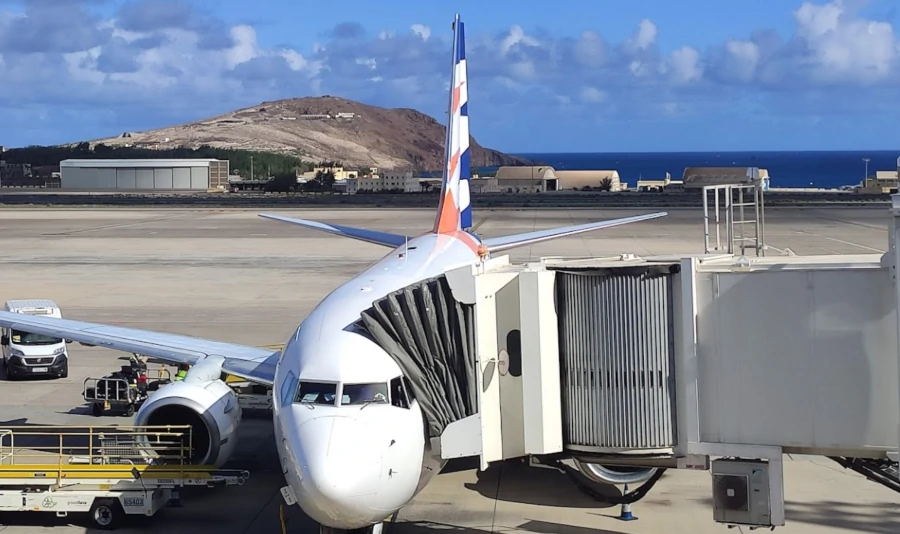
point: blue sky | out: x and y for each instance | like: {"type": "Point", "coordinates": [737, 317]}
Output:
{"type": "Point", "coordinates": [562, 76]}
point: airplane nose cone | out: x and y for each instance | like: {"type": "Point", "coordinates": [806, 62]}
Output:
{"type": "Point", "coordinates": [339, 467]}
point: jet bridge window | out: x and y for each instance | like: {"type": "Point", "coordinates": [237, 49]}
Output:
{"type": "Point", "coordinates": [316, 393]}
{"type": "Point", "coordinates": [364, 394]}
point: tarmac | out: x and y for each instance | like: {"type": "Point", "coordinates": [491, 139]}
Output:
{"type": "Point", "coordinates": [230, 275]}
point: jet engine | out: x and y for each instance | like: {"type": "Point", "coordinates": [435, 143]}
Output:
{"type": "Point", "coordinates": [211, 409]}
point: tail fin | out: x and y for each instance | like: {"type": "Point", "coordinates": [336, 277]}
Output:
{"type": "Point", "coordinates": [455, 210]}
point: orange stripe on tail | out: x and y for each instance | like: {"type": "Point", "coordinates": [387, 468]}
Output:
{"type": "Point", "coordinates": [448, 220]}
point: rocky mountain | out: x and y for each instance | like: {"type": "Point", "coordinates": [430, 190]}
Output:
{"type": "Point", "coordinates": [323, 128]}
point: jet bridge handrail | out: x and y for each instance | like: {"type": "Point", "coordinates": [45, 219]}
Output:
{"type": "Point", "coordinates": [163, 448]}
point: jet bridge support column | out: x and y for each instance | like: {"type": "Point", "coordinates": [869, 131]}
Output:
{"type": "Point", "coordinates": [691, 451]}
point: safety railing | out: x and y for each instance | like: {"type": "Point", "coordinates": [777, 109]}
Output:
{"type": "Point", "coordinates": [64, 452]}
{"type": "Point", "coordinates": [7, 447]}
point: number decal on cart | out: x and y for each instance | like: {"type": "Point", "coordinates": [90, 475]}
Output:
{"type": "Point", "coordinates": [131, 502]}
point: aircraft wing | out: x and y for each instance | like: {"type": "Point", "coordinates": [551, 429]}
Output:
{"type": "Point", "coordinates": [370, 236]}
{"type": "Point", "coordinates": [499, 244]}
{"type": "Point", "coordinates": [250, 363]}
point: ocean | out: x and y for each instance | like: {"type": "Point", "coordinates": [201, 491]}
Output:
{"type": "Point", "coordinates": [786, 169]}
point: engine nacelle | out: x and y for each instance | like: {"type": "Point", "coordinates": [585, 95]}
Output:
{"type": "Point", "coordinates": [212, 410]}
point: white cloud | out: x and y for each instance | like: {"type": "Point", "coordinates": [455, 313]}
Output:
{"type": "Point", "coordinates": [645, 36]}
{"type": "Point", "coordinates": [845, 46]}
{"type": "Point", "coordinates": [524, 70]}
{"type": "Point", "coordinates": [590, 50]}
{"type": "Point", "coordinates": [744, 57]}
{"type": "Point", "coordinates": [685, 63]}
{"type": "Point", "coordinates": [295, 60]}
{"type": "Point", "coordinates": [245, 46]}
{"type": "Point", "coordinates": [421, 30]}
{"type": "Point", "coordinates": [150, 61]}
{"type": "Point", "coordinates": [368, 62]}
{"type": "Point", "coordinates": [516, 37]}
{"type": "Point", "coordinates": [593, 95]}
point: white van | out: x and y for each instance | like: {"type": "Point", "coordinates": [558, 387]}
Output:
{"type": "Point", "coordinates": [30, 354]}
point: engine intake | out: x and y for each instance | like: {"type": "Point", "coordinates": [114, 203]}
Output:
{"type": "Point", "coordinates": [212, 411]}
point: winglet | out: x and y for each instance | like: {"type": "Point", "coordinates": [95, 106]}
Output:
{"type": "Point", "coordinates": [455, 210]}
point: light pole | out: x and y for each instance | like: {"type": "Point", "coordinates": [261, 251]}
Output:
{"type": "Point", "coordinates": [867, 170]}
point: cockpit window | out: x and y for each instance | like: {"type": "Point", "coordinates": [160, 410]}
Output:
{"type": "Point", "coordinates": [316, 393]}
{"type": "Point", "coordinates": [398, 395]}
{"type": "Point", "coordinates": [364, 394]}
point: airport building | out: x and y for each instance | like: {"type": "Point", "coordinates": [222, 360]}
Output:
{"type": "Point", "coordinates": [882, 182]}
{"type": "Point", "coordinates": [536, 179]}
{"type": "Point", "coordinates": [404, 181]}
{"type": "Point", "coordinates": [144, 174]}
{"type": "Point", "coordinates": [698, 177]}
{"type": "Point", "coordinates": [664, 185]}
{"type": "Point", "coordinates": [524, 179]}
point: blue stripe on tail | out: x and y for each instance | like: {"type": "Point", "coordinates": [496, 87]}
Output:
{"type": "Point", "coordinates": [454, 211]}
{"type": "Point", "coordinates": [465, 161]}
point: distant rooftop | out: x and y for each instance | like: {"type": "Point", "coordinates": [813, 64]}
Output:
{"type": "Point", "coordinates": [540, 172]}
{"type": "Point", "coordinates": [107, 163]}
{"type": "Point", "coordinates": [703, 176]}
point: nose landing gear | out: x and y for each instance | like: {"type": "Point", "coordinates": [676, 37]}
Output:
{"type": "Point", "coordinates": [374, 529]}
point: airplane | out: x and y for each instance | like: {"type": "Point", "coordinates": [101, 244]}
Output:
{"type": "Point", "coordinates": [350, 456]}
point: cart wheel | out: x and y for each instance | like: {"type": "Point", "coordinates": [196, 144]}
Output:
{"type": "Point", "coordinates": [97, 409]}
{"type": "Point", "coordinates": [106, 514]}
{"type": "Point", "coordinates": [129, 410]}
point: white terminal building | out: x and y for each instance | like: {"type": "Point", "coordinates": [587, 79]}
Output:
{"type": "Point", "coordinates": [404, 181]}
{"type": "Point", "coordinates": [144, 174]}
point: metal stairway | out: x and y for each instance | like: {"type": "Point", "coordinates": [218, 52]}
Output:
{"type": "Point", "coordinates": [742, 233]}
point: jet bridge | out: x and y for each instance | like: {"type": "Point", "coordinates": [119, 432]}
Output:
{"type": "Point", "coordinates": [713, 361]}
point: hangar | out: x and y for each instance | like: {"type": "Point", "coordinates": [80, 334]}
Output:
{"type": "Point", "coordinates": [521, 179]}
{"type": "Point", "coordinates": [144, 174]}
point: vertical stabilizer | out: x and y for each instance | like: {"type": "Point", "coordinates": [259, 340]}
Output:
{"type": "Point", "coordinates": [455, 210]}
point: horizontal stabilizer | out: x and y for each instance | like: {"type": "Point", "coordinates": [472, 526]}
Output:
{"type": "Point", "coordinates": [251, 363]}
{"type": "Point", "coordinates": [499, 244]}
{"type": "Point", "coordinates": [370, 236]}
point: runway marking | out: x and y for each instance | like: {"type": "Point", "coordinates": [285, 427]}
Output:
{"type": "Point", "coordinates": [852, 223]}
{"type": "Point", "coordinates": [841, 241]}
{"type": "Point", "coordinates": [110, 226]}
{"type": "Point", "coordinates": [854, 244]}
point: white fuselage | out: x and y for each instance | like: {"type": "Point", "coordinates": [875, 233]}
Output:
{"type": "Point", "coordinates": [349, 464]}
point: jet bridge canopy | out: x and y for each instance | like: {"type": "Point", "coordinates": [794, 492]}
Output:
{"type": "Point", "coordinates": [431, 337]}
{"type": "Point", "coordinates": [617, 355]}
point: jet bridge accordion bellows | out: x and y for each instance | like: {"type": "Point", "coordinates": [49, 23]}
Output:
{"type": "Point", "coordinates": [616, 340]}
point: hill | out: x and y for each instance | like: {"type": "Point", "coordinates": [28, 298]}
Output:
{"type": "Point", "coordinates": [323, 128]}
